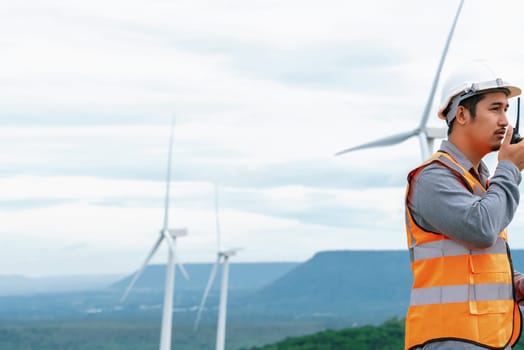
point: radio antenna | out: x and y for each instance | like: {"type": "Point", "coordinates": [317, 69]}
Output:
{"type": "Point", "coordinates": [518, 115]}
{"type": "Point", "coordinates": [515, 138]}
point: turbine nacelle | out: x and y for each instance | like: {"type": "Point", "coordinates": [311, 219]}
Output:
{"type": "Point", "coordinates": [229, 252]}
{"type": "Point", "coordinates": [174, 232]}
{"type": "Point", "coordinates": [436, 133]}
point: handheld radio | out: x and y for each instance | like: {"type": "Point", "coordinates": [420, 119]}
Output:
{"type": "Point", "coordinates": [515, 138]}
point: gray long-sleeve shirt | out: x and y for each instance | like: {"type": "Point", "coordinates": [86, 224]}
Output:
{"type": "Point", "coordinates": [441, 203]}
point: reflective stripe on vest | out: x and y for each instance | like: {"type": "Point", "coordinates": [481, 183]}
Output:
{"type": "Point", "coordinates": [459, 293]}
{"type": "Point", "coordinates": [462, 293]}
{"type": "Point", "coordinates": [447, 247]}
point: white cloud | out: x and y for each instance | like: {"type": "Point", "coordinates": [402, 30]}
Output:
{"type": "Point", "coordinates": [265, 92]}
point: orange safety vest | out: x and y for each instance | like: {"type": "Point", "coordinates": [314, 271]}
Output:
{"type": "Point", "coordinates": [458, 293]}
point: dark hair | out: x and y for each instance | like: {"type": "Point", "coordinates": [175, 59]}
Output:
{"type": "Point", "coordinates": [470, 104]}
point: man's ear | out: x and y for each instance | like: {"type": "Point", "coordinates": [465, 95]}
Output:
{"type": "Point", "coordinates": [462, 115]}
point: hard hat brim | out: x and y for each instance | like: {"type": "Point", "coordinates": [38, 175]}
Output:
{"type": "Point", "coordinates": [513, 92]}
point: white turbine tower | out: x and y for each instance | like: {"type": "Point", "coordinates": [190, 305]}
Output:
{"type": "Point", "coordinates": [222, 256]}
{"type": "Point", "coordinates": [426, 135]}
{"type": "Point", "coordinates": [170, 236]}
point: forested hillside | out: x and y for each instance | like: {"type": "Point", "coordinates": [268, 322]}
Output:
{"type": "Point", "coordinates": [388, 336]}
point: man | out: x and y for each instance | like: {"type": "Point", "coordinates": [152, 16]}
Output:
{"type": "Point", "coordinates": [465, 293]}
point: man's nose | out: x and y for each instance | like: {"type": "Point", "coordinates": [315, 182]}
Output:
{"type": "Point", "coordinates": [504, 119]}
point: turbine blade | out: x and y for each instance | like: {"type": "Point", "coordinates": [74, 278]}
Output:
{"type": "Point", "coordinates": [386, 141]}
{"type": "Point", "coordinates": [429, 102]}
{"type": "Point", "coordinates": [206, 292]}
{"type": "Point", "coordinates": [171, 245]}
{"type": "Point", "coordinates": [168, 175]}
{"type": "Point", "coordinates": [139, 271]}
{"type": "Point", "coordinates": [181, 267]}
{"type": "Point", "coordinates": [217, 219]}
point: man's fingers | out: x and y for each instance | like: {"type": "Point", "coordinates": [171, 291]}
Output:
{"type": "Point", "coordinates": [509, 134]}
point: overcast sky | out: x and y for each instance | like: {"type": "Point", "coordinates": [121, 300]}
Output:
{"type": "Point", "coordinates": [264, 93]}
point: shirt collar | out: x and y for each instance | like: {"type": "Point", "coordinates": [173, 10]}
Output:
{"type": "Point", "coordinates": [457, 154]}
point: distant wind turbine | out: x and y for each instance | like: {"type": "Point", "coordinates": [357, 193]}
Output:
{"type": "Point", "coordinates": [425, 134]}
{"type": "Point", "coordinates": [222, 255]}
{"type": "Point", "coordinates": [170, 236]}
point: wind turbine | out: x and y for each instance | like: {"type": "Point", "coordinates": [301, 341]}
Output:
{"type": "Point", "coordinates": [222, 256]}
{"type": "Point", "coordinates": [426, 135]}
{"type": "Point", "coordinates": [170, 236]}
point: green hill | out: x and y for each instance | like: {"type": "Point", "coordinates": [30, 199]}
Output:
{"type": "Point", "coordinates": [388, 336]}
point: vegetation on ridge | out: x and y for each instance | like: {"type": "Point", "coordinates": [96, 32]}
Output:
{"type": "Point", "coordinates": [388, 336]}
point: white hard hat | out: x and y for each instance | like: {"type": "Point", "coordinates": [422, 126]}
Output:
{"type": "Point", "coordinates": [471, 79]}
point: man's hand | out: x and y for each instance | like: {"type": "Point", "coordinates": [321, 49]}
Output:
{"type": "Point", "coordinates": [512, 152]}
{"type": "Point", "coordinates": [518, 281]}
